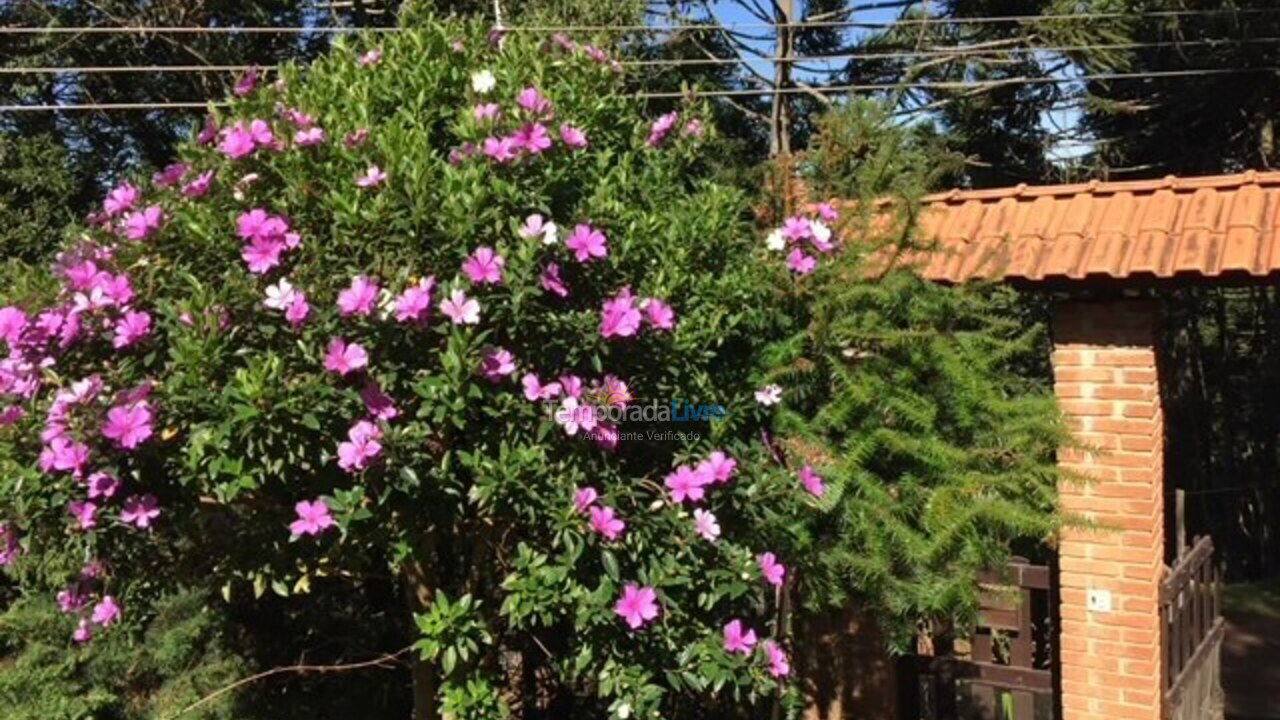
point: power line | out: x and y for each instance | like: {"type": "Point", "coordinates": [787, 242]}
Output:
{"type": "Point", "coordinates": [959, 84]}
{"type": "Point", "coordinates": [957, 51]}
{"type": "Point", "coordinates": [904, 22]}
{"type": "Point", "coordinates": [942, 85]}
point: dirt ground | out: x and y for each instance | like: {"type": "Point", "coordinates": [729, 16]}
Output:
{"type": "Point", "coordinates": [1251, 654]}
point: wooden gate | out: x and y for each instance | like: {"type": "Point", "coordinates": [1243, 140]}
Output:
{"type": "Point", "coordinates": [1005, 669]}
{"type": "Point", "coordinates": [1191, 636]}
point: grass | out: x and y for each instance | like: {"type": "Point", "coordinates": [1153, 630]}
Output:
{"type": "Point", "coordinates": [1260, 598]}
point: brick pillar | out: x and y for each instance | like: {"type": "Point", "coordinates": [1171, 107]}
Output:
{"type": "Point", "coordinates": [1104, 368]}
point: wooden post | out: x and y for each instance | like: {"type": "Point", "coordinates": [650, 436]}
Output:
{"type": "Point", "coordinates": [779, 121]}
{"type": "Point", "coordinates": [1180, 520]}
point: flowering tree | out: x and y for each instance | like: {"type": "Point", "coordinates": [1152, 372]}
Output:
{"type": "Point", "coordinates": [407, 309]}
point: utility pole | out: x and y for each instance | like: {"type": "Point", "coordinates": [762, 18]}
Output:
{"type": "Point", "coordinates": [780, 119]}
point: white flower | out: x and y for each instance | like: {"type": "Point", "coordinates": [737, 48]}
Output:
{"type": "Point", "coordinates": [550, 234]}
{"type": "Point", "coordinates": [483, 81]}
{"type": "Point", "coordinates": [820, 231]}
{"type": "Point", "coordinates": [705, 523]}
{"type": "Point", "coordinates": [769, 395]}
{"type": "Point", "coordinates": [280, 296]}
{"type": "Point", "coordinates": [775, 241]}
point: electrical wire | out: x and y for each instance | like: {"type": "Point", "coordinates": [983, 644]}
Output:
{"type": "Point", "coordinates": [904, 22]}
{"type": "Point", "coordinates": [958, 51]}
{"type": "Point", "coordinates": [943, 85]}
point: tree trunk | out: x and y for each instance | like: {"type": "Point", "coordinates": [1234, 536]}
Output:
{"type": "Point", "coordinates": [420, 590]}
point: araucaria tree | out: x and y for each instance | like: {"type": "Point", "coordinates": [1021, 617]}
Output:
{"type": "Point", "coordinates": [441, 307]}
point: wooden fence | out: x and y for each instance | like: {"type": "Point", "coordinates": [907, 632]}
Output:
{"type": "Point", "coordinates": [1191, 636]}
{"type": "Point", "coordinates": [1004, 670]}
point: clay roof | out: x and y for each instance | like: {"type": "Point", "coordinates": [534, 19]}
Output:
{"type": "Point", "coordinates": [1175, 227]}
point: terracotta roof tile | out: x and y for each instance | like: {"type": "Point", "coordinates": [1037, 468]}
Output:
{"type": "Point", "coordinates": [1190, 226]}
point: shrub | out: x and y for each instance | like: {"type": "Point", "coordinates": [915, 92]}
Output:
{"type": "Point", "coordinates": [341, 336]}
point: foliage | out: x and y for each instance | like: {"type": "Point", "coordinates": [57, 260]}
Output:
{"type": "Point", "coordinates": [182, 657]}
{"type": "Point", "coordinates": [233, 418]}
{"type": "Point", "coordinates": [37, 193]}
{"type": "Point", "coordinates": [387, 415]}
{"type": "Point", "coordinates": [921, 407]}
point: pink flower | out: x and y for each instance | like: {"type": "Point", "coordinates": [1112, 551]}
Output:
{"type": "Point", "coordinates": [371, 58]}
{"type": "Point", "coordinates": [11, 414]}
{"type": "Point", "coordinates": [300, 120]}
{"type": "Point", "coordinates": [106, 613]}
{"type": "Point", "coordinates": [200, 186]}
{"type": "Point", "coordinates": [573, 416]}
{"type": "Point", "coordinates": [247, 82]}
{"type": "Point", "coordinates": [587, 243]}
{"type": "Point", "coordinates": [143, 224]}
{"type": "Point", "coordinates": [796, 228]}
{"type": "Point", "coordinates": [360, 298]}
{"type": "Point", "coordinates": [573, 137]}
{"type": "Point", "coordinates": [484, 266]}
{"type": "Point", "coordinates": [738, 640]}
{"type": "Point", "coordinates": [779, 665]}
{"type": "Point", "coordinates": [262, 134]}
{"type": "Point", "coordinates": [13, 321]}
{"type": "Point", "coordinates": [613, 391]}
{"type": "Point", "coordinates": [584, 498]}
{"type": "Point", "coordinates": [208, 131]}
{"type": "Point", "coordinates": [496, 364]}
{"type": "Point", "coordinates": [460, 309]}
{"type": "Point", "coordinates": [10, 544]}
{"type": "Point", "coordinates": [705, 524]}
{"type": "Point", "coordinates": [534, 390]}
{"type": "Point", "coordinates": [533, 138]}
{"type": "Point", "coordinates": [298, 311]}
{"type": "Point", "coordinates": [572, 385]}
{"type": "Point", "coordinates": [605, 435]}
{"type": "Point", "coordinates": [551, 282]}
{"type": "Point", "coordinates": [128, 425]}
{"type": "Point", "coordinates": [533, 101]}
{"type": "Point", "coordinates": [773, 570]}
{"type": "Point", "coordinates": [827, 212]}
{"type": "Point", "coordinates": [140, 511]}
{"type": "Point", "coordinates": [637, 606]}
{"type": "Point", "coordinates": [720, 466]}
{"type": "Point", "coordinates": [237, 142]}
{"type": "Point", "coordinates": [313, 518]}
{"type": "Point", "coordinates": [769, 395]}
{"type": "Point", "coordinates": [344, 359]}
{"type": "Point", "coordinates": [309, 137]}
{"type": "Point", "coordinates": [103, 485]}
{"type": "Point", "coordinates": [604, 522]}
{"type": "Point", "coordinates": [619, 316]}
{"type": "Point", "coordinates": [486, 111]}
{"type": "Point", "coordinates": [661, 128]}
{"type": "Point", "coordinates": [687, 483]}
{"type": "Point", "coordinates": [170, 175]}
{"type": "Point", "coordinates": [658, 314]}
{"type": "Point", "coordinates": [121, 199]}
{"type": "Point", "coordinates": [65, 455]}
{"type": "Point", "coordinates": [85, 512]}
{"type": "Point", "coordinates": [693, 128]}
{"type": "Point", "coordinates": [373, 177]}
{"type": "Point", "coordinates": [356, 139]}
{"type": "Point", "coordinates": [415, 303]}
{"type": "Point", "coordinates": [812, 481]}
{"type": "Point", "coordinates": [502, 150]}
{"type": "Point", "coordinates": [361, 448]}
{"type": "Point", "coordinates": [377, 403]}
{"type": "Point", "coordinates": [131, 328]}
{"type": "Point", "coordinates": [800, 263]}
{"type": "Point", "coordinates": [83, 632]}
{"type": "Point", "coordinates": [262, 254]}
